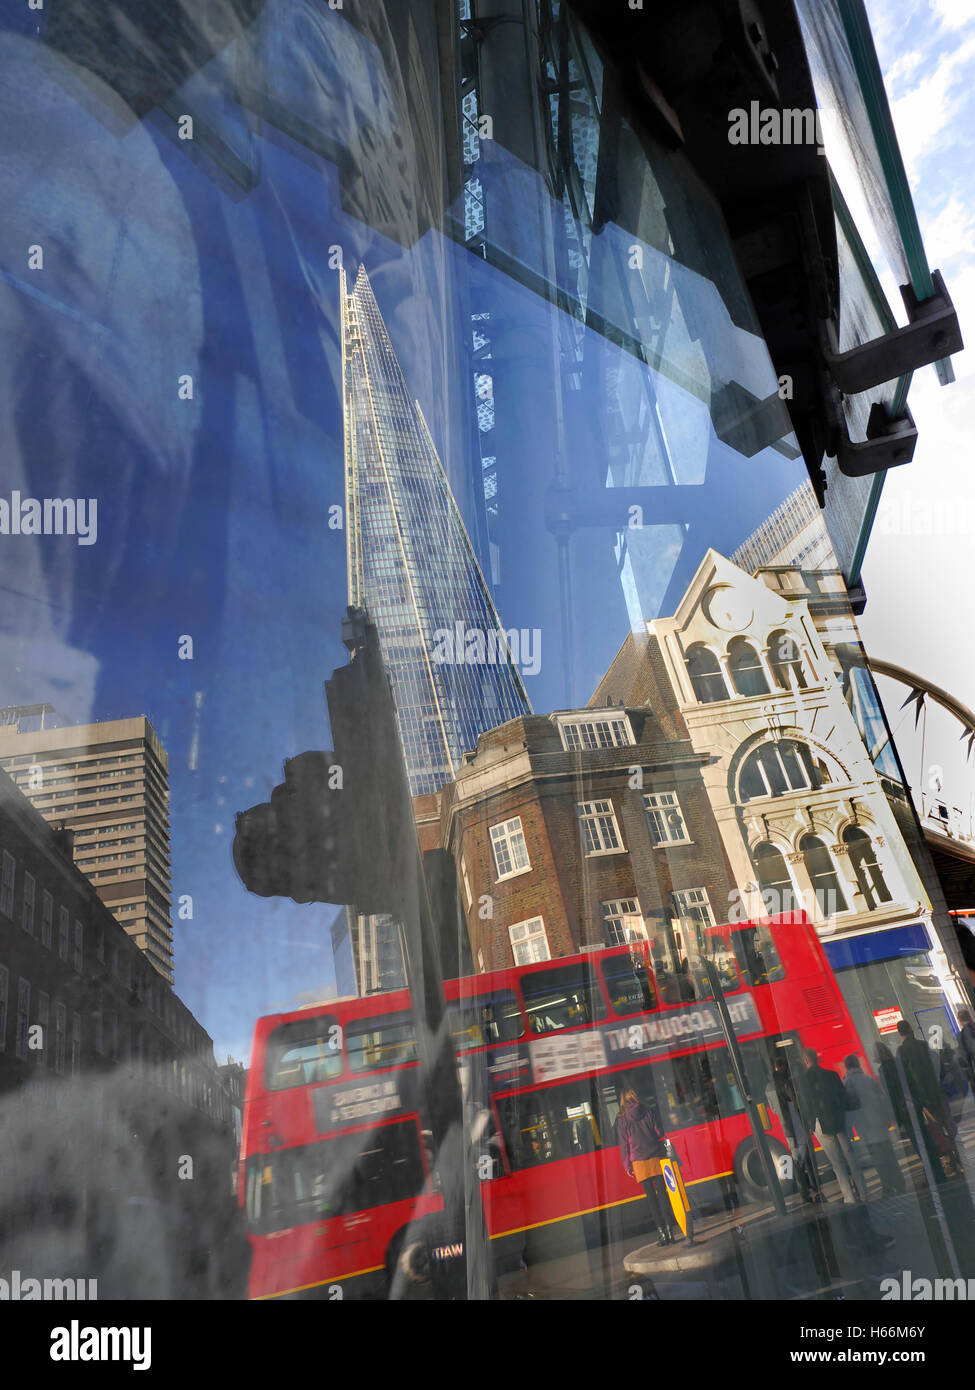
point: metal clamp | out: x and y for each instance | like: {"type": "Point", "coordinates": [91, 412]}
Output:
{"type": "Point", "coordinates": [933, 333]}
{"type": "Point", "coordinates": [889, 442]}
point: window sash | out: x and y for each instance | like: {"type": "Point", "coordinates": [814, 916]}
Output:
{"type": "Point", "coordinates": [529, 941]}
{"type": "Point", "coordinates": [598, 820]}
{"type": "Point", "coordinates": [509, 848]}
{"type": "Point", "coordinates": [660, 807]}
{"type": "Point", "coordinates": [8, 882]}
{"type": "Point", "coordinates": [623, 922]}
{"type": "Point", "coordinates": [596, 733]}
{"type": "Point", "coordinates": [692, 905]}
{"type": "Point", "coordinates": [23, 1016]}
{"type": "Point", "coordinates": [30, 895]}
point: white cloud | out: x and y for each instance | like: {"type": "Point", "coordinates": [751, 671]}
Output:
{"type": "Point", "coordinates": [923, 115]}
{"type": "Point", "coordinates": [954, 14]}
{"type": "Point", "coordinates": [950, 236]}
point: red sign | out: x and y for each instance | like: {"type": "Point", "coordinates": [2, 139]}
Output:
{"type": "Point", "coordinates": [887, 1019]}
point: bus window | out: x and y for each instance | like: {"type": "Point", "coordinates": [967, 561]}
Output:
{"type": "Point", "coordinates": [690, 1090]}
{"type": "Point", "coordinates": [373, 1043]}
{"type": "Point", "coordinates": [334, 1177]}
{"type": "Point", "coordinates": [757, 956]}
{"type": "Point", "coordinates": [560, 1122]}
{"type": "Point", "coordinates": [629, 984]}
{"type": "Point", "coordinates": [724, 962]}
{"type": "Point", "coordinates": [303, 1052]}
{"type": "Point", "coordinates": [561, 998]}
{"type": "Point", "coordinates": [488, 1018]}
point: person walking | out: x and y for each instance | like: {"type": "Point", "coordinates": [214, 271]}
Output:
{"type": "Point", "coordinates": [642, 1146]}
{"type": "Point", "coordinates": [870, 1110]}
{"type": "Point", "coordinates": [827, 1103]}
{"type": "Point", "coordinates": [966, 1046]}
{"type": "Point", "coordinates": [788, 1101]}
{"type": "Point", "coordinates": [930, 1107]}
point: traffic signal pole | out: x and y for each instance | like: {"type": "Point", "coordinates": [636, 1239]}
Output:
{"type": "Point", "coordinates": [742, 1082]}
{"type": "Point", "coordinates": [340, 829]}
{"type": "Point", "coordinates": [390, 872]}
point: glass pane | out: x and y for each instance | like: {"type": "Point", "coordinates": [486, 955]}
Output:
{"type": "Point", "coordinates": [373, 1043]}
{"type": "Point", "coordinates": [487, 1018]}
{"type": "Point", "coordinates": [562, 998]}
{"type": "Point", "coordinates": [303, 1052]}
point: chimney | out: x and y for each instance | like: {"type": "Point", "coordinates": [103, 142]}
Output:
{"type": "Point", "coordinates": [64, 839]}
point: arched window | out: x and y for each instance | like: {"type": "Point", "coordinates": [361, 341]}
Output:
{"type": "Point", "coordinates": [863, 862]}
{"type": "Point", "coordinates": [706, 677]}
{"type": "Point", "coordinates": [778, 895]}
{"type": "Point", "coordinates": [822, 872]}
{"type": "Point", "coordinates": [746, 669]}
{"type": "Point", "coordinates": [785, 661]}
{"type": "Point", "coordinates": [773, 769]}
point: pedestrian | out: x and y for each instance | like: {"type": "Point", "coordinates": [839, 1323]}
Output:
{"type": "Point", "coordinates": [966, 1046]}
{"type": "Point", "coordinates": [871, 1112]}
{"type": "Point", "coordinates": [928, 1100]}
{"type": "Point", "coordinates": [828, 1104]}
{"type": "Point", "coordinates": [789, 1103]}
{"type": "Point", "coordinates": [642, 1146]}
{"type": "Point", "coordinates": [890, 1080]}
{"type": "Point", "coordinates": [954, 1082]}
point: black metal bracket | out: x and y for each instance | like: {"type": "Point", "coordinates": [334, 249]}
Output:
{"type": "Point", "coordinates": [933, 333]}
{"type": "Point", "coordinates": [889, 442]}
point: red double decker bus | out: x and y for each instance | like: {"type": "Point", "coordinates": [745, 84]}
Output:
{"type": "Point", "coordinates": [336, 1178]}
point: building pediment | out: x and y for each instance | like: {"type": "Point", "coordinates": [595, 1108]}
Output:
{"type": "Point", "coordinates": [722, 601]}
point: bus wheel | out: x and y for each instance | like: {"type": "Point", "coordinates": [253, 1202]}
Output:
{"type": "Point", "coordinates": [414, 1261]}
{"type": "Point", "coordinates": [407, 1264]}
{"type": "Point", "coordinates": [750, 1173]}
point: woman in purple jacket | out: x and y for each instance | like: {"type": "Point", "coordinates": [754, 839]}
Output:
{"type": "Point", "coordinates": [643, 1145]}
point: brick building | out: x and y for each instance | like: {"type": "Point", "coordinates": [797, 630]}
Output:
{"type": "Point", "coordinates": [581, 829]}
{"type": "Point", "coordinates": [758, 673]}
{"type": "Point", "coordinates": [70, 972]}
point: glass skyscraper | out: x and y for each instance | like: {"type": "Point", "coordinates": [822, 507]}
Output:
{"type": "Point", "coordinates": [412, 565]}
